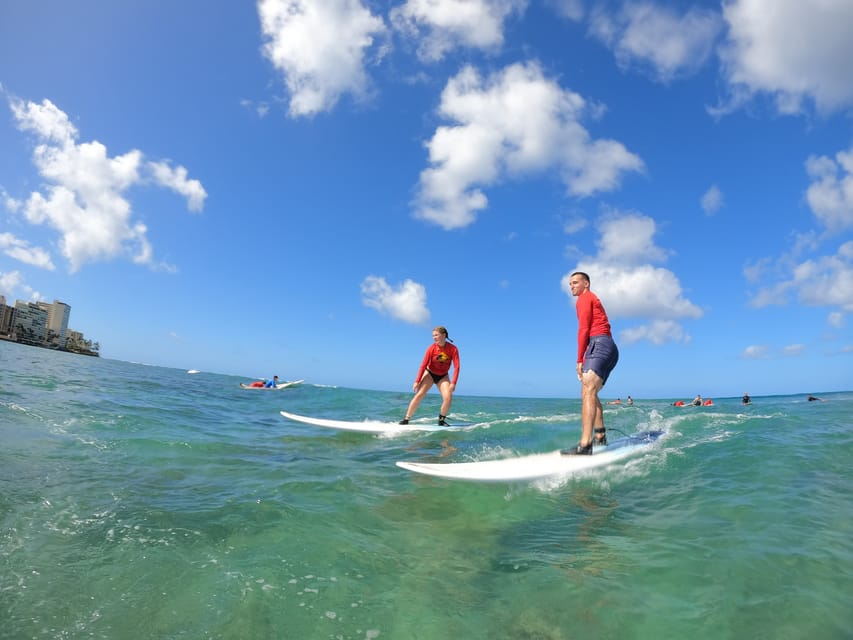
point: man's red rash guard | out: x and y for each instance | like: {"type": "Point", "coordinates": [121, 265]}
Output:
{"type": "Point", "coordinates": [438, 360]}
{"type": "Point", "coordinates": [592, 320]}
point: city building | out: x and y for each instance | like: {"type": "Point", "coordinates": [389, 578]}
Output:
{"type": "Point", "coordinates": [7, 316]}
{"type": "Point", "coordinates": [30, 323]}
{"type": "Point", "coordinates": [57, 322]}
{"type": "Point", "coordinates": [43, 324]}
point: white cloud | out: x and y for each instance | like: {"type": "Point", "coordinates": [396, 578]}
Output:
{"type": "Point", "coordinates": [574, 225]}
{"type": "Point", "coordinates": [712, 200]}
{"type": "Point", "coordinates": [755, 352]}
{"type": "Point", "coordinates": [84, 194]}
{"type": "Point", "coordinates": [818, 282]}
{"type": "Point", "coordinates": [176, 180]}
{"type": "Point", "coordinates": [657, 332]}
{"type": "Point", "coordinates": [407, 302]}
{"type": "Point", "coordinates": [11, 281]}
{"type": "Point", "coordinates": [628, 239]}
{"type": "Point", "coordinates": [449, 24]}
{"type": "Point", "coordinates": [794, 51]}
{"type": "Point", "coordinates": [629, 287]}
{"type": "Point", "coordinates": [9, 203]}
{"type": "Point", "coordinates": [320, 48]}
{"type": "Point", "coordinates": [827, 280]}
{"type": "Point", "coordinates": [20, 250]}
{"type": "Point", "coordinates": [514, 123]}
{"type": "Point", "coordinates": [571, 9]}
{"type": "Point", "coordinates": [830, 195]}
{"type": "Point", "coordinates": [821, 280]}
{"type": "Point", "coordinates": [646, 35]}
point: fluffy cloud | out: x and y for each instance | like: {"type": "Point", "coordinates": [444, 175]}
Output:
{"type": "Point", "coordinates": [791, 50]}
{"type": "Point", "coordinates": [822, 280]}
{"type": "Point", "coordinates": [407, 302]}
{"type": "Point", "coordinates": [22, 251]}
{"type": "Point", "coordinates": [176, 180]}
{"type": "Point", "coordinates": [830, 195]}
{"type": "Point", "coordinates": [12, 281]}
{"type": "Point", "coordinates": [513, 123]}
{"type": "Point", "coordinates": [448, 24]}
{"type": "Point", "coordinates": [630, 287]}
{"type": "Point", "coordinates": [656, 38]}
{"type": "Point", "coordinates": [320, 48]}
{"type": "Point", "coordinates": [818, 282]}
{"type": "Point", "coordinates": [84, 194]}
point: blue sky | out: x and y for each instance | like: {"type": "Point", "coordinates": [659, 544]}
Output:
{"type": "Point", "coordinates": [307, 188]}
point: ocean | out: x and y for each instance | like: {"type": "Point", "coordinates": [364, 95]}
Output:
{"type": "Point", "coordinates": [144, 502]}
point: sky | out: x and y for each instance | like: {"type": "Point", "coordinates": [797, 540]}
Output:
{"type": "Point", "coordinates": [306, 188]}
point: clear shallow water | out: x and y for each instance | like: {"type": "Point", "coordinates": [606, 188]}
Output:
{"type": "Point", "coordinates": [143, 502]}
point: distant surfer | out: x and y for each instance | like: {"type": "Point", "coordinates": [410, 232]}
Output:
{"type": "Point", "coordinates": [697, 401]}
{"type": "Point", "coordinates": [435, 369]}
{"type": "Point", "coordinates": [597, 356]}
{"type": "Point", "coordinates": [630, 401]}
{"type": "Point", "coordinates": [746, 399]}
{"type": "Point", "coordinates": [272, 383]}
{"type": "Point", "coordinates": [814, 399]}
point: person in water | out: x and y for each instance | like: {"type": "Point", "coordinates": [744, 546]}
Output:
{"type": "Point", "coordinates": [746, 399]}
{"type": "Point", "coordinates": [597, 356]}
{"type": "Point", "coordinates": [697, 401]}
{"type": "Point", "coordinates": [629, 401]}
{"type": "Point", "coordinates": [435, 369]}
{"type": "Point", "coordinates": [272, 383]}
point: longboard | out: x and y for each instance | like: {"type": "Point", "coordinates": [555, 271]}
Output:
{"type": "Point", "coordinates": [280, 385]}
{"type": "Point", "coordinates": [370, 426]}
{"type": "Point", "coordinates": [537, 466]}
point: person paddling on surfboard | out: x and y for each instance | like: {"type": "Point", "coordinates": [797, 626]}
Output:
{"type": "Point", "coordinates": [597, 356]}
{"type": "Point", "coordinates": [434, 369]}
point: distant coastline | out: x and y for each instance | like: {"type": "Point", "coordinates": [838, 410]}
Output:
{"type": "Point", "coordinates": [81, 352]}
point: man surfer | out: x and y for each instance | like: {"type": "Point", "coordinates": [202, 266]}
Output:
{"type": "Point", "coordinates": [272, 383]}
{"type": "Point", "coordinates": [597, 356]}
{"type": "Point", "coordinates": [434, 369]}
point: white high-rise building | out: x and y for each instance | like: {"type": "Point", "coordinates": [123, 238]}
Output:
{"type": "Point", "coordinates": [58, 314]}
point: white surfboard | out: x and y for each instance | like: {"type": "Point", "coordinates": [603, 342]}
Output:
{"type": "Point", "coordinates": [536, 466]}
{"type": "Point", "coordinates": [280, 385]}
{"type": "Point", "coordinates": [370, 426]}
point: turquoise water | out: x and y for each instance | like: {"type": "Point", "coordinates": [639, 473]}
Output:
{"type": "Point", "coordinates": [143, 502]}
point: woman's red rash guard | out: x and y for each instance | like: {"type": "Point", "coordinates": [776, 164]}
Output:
{"type": "Point", "coordinates": [438, 360]}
